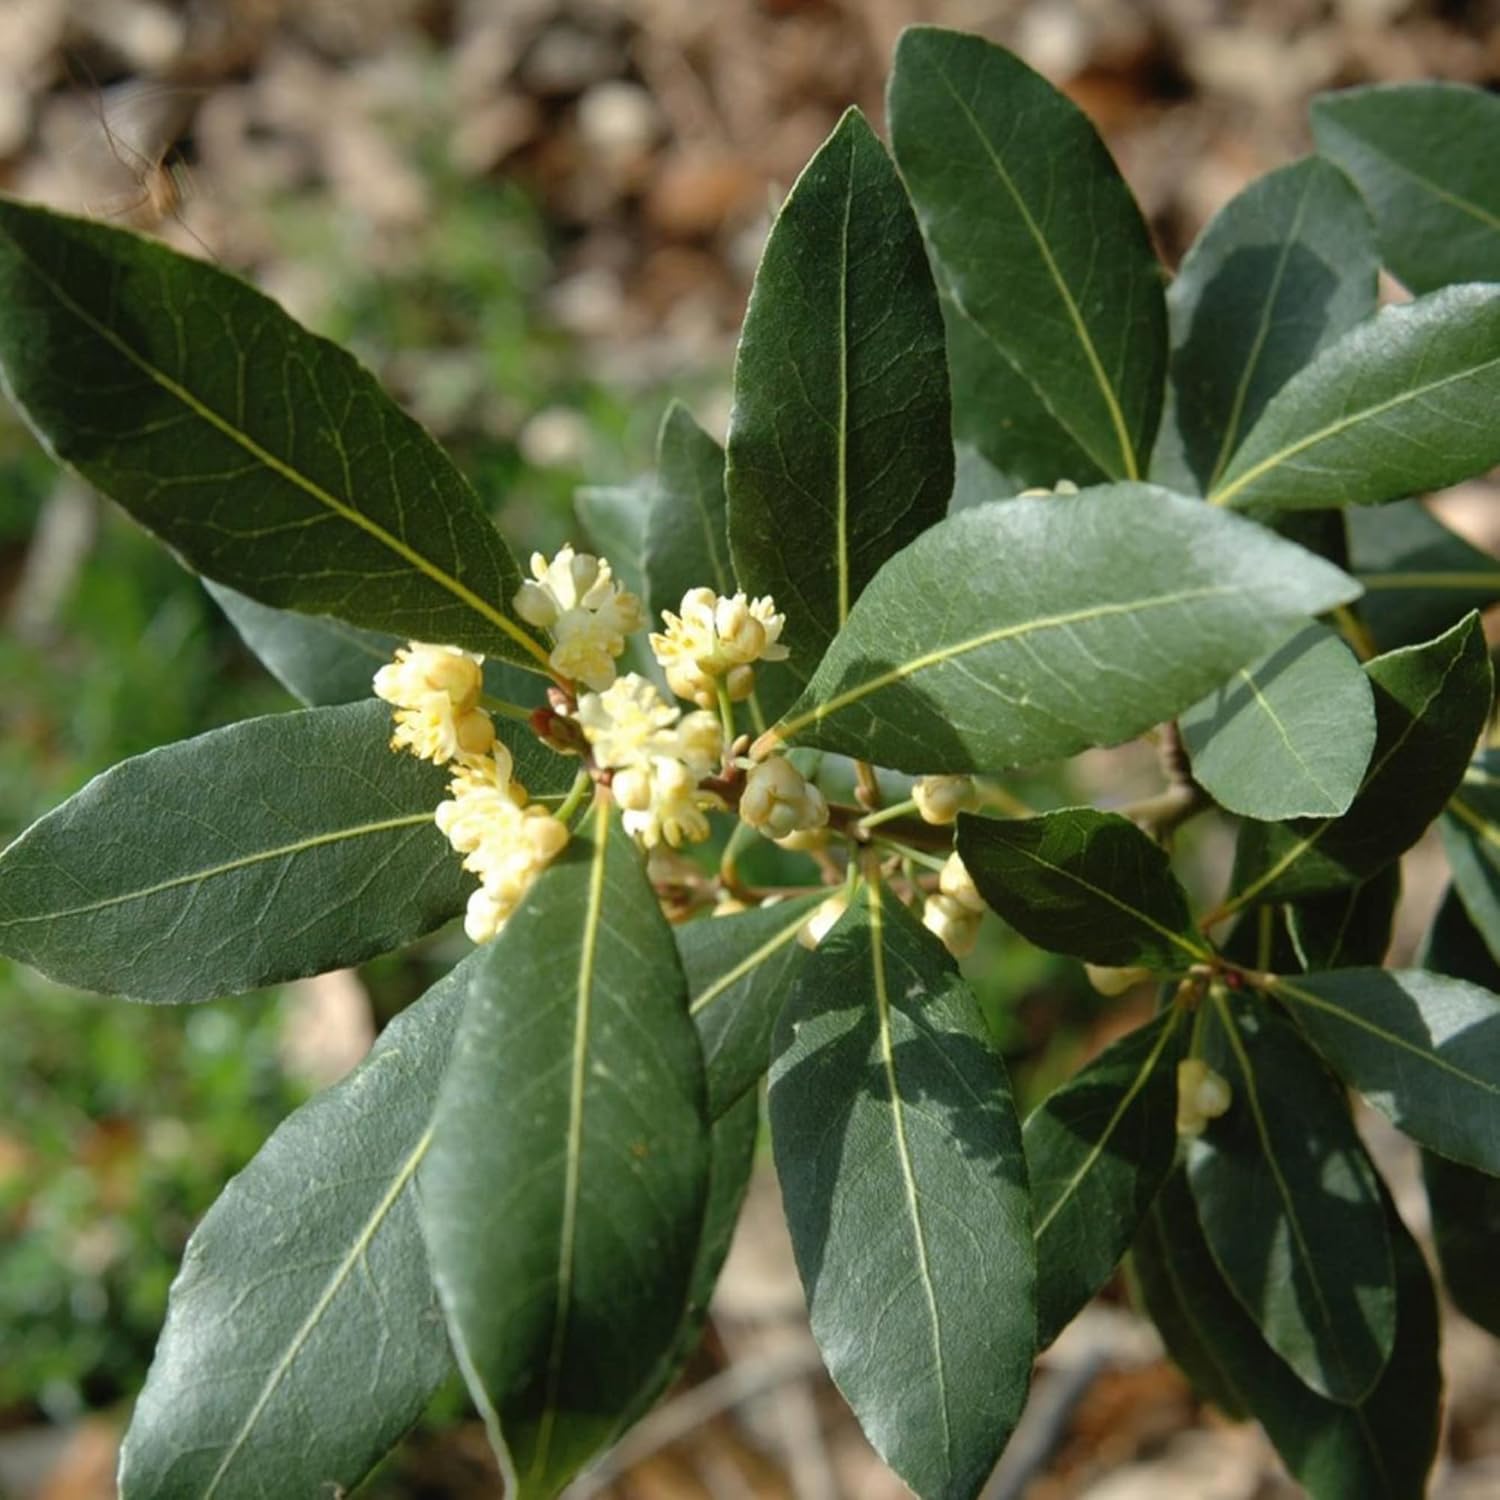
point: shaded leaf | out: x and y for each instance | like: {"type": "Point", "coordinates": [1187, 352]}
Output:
{"type": "Point", "coordinates": [1455, 948]}
{"type": "Point", "coordinates": [303, 1335]}
{"type": "Point", "coordinates": [840, 450]}
{"type": "Point", "coordinates": [1400, 405]}
{"type": "Point", "coordinates": [1470, 827]}
{"type": "Point", "coordinates": [904, 1184]}
{"type": "Point", "coordinates": [1420, 578]}
{"type": "Point", "coordinates": [563, 1195]}
{"type": "Point", "coordinates": [616, 518]}
{"type": "Point", "coordinates": [1284, 269]}
{"type": "Point", "coordinates": [739, 970]}
{"type": "Point", "coordinates": [1424, 1049]}
{"type": "Point", "coordinates": [1049, 607]}
{"type": "Point", "coordinates": [1347, 928]}
{"type": "Point", "coordinates": [1465, 1208]}
{"type": "Point", "coordinates": [1420, 153]}
{"type": "Point", "coordinates": [1016, 193]}
{"type": "Point", "coordinates": [687, 532]}
{"type": "Point", "coordinates": [1288, 736]}
{"type": "Point", "coordinates": [1291, 1208]}
{"type": "Point", "coordinates": [1097, 1150]}
{"type": "Point", "coordinates": [262, 454]}
{"type": "Point", "coordinates": [275, 848]}
{"type": "Point", "coordinates": [1431, 702]}
{"type": "Point", "coordinates": [1380, 1449]}
{"type": "Point", "coordinates": [1086, 883]}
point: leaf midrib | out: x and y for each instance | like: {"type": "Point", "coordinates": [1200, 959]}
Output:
{"type": "Point", "coordinates": [211, 872]}
{"type": "Point", "coordinates": [292, 475]}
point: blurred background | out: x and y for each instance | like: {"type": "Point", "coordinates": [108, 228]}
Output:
{"type": "Point", "coordinates": [537, 220]}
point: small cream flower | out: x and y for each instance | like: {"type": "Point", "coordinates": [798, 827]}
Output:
{"type": "Point", "coordinates": [955, 882]}
{"type": "Point", "coordinates": [1112, 982]}
{"type": "Point", "coordinates": [779, 800]}
{"type": "Point", "coordinates": [1202, 1095]}
{"type": "Point", "coordinates": [821, 922]}
{"type": "Point", "coordinates": [589, 614]}
{"type": "Point", "coordinates": [940, 799]}
{"type": "Point", "coordinates": [435, 690]}
{"type": "Point", "coordinates": [628, 722]}
{"type": "Point", "coordinates": [664, 803]}
{"type": "Point", "coordinates": [716, 636]}
{"type": "Point", "coordinates": [953, 922]}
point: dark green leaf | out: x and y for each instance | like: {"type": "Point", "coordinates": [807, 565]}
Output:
{"type": "Point", "coordinates": [1343, 929]}
{"type": "Point", "coordinates": [905, 1190]}
{"type": "Point", "coordinates": [1419, 577]}
{"type": "Point", "coordinates": [263, 455]}
{"type": "Point", "coordinates": [1017, 194]}
{"type": "Point", "coordinates": [1420, 153]}
{"type": "Point", "coordinates": [1288, 736]}
{"type": "Point", "coordinates": [1471, 834]}
{"type": "Point", "coordinates": [564, 1192]}
{"type": "Point", "coordinates": [1465, 1207]}
{"type": "Point", "coordinates": [1283, 270]}
{"type": "Point", "coordinates": [1290, 1206]}
{"type": "Point", "coordinates": [1454, 947]}
{"type": "Point", "coordinates": [739, 970]}
{"type": "Point", "coordinates": [303, 1335]}
{"type": "Point", "coordinates": [274, 848]}
{"type": "Point", "coordinates": [324, 661]}
{"type": "Point", "coordinates": [1086, 883]}
{"type": "Point", "coordinates": [999, 414]}
{"type": "Point", "coordinates": [1404, 403]}
{"type": "Point", "coordinates": [1097, 1150]}
{"type": "Point", "coordinates": [1431, 703]}
{"type": "Point", "coordinates": [1381, 1449]}
{"type": "Point", "coordinates": [1424, 1049]}
{"type": "Point", "coordinates": [687, 535]}
{"type": "Point", "coordinates": [1016, 631]}
{"type": "Point", "coordinates": [840, 449]}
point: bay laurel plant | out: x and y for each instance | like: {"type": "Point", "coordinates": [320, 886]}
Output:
{"type": "Point", "coordinates": [995, 490]}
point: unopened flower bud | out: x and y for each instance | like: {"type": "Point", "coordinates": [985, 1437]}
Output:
{"type": "Point", "coordinates": [821, 922]}
{"type": "Point", "coordinates": [956, 882]}
{"type": "Point", "coordinates": [739, 682]}
{"type": "Point", "coordinates": [952, 922]}
{"type": "Point", "coordinates": [1114, 982]}
{"type": "Point", "coordinates": [940, 799]}
{"type": "Point", "coordinates": [1202, 1095]}
{"type": "Point", "coordinates": [779, 800]}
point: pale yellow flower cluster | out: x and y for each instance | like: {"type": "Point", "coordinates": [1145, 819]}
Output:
{"type": "Point", "coordinates": [1202, 1095]}
{"type": "Point", "coordinates": [435, 690]}
{"type": "Point", "coordinates": [589, 614]}
{"type": "Point", "coordinates": [505, 840]}
{"type": "Point", "coordinates": [714, 637]}
{"type": "Point", "coordinates": [659, 757]}
{"type": "Point", "coordinates": [953, 911]}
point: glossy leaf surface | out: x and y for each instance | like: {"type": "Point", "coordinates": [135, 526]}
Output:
{"type": "Point", "coordinates": [1289, 736]}
{"type": "Point", "coordinates": [1016, 631]}
{"type": "Point", "coordinates": [564, 1192]}
{"type": "Point", "coordinates": [263, 455]}
{"type": "Point", "coordinates": [1016, 194]}
{"type": "Point", "coordinates": [1424, 1049]}
{"type": "Point", "coordinates": [303, 1335]}
{"type": "Point", "coordinates": [1383, 1447]}
{"type": "Point", "coordinates": [1284, 269]}
{"type": "Point", "coordinates": [1421, 155]}
{"type": "Point", "coordinates": [1291, 1208]}
{"type": "Point", "coordinates": [168, 877]}
{"type": "Point", "coordinates": [840, 450]}
{"type": "Point", "coordinates": [904, 1185]}
{"type": "Point", "coordinates": [1097, 1150]}
{"type": "Point", "coordinates": [1082, 882]}
{"type": "Point", "coordinates": [1420, 578]}
{"type": "Point", "coordinates": [1400, 405]}
{"type": "Point", "coordinates": [1431, 702]}
{"type": "Point", "coordinates": [739, 971]}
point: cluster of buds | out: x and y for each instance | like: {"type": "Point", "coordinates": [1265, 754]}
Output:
{"type": "Point", "coordinates": [506, 840]}
{"type": "Point", "coordinates": [716, 638]}
{"type": "Point", "coordinates": [780, 801]}
{"type": "Point", "coordinates": [435, 691]}
{"type": "Point", "coordinates": [953, 911]}
{"type": "Point", "coordinates": [1202, 1095]}
{"type": "Point", "coordinates": [940, 799]}
{"type": "Point", "coordinates": [589, 614]}
{"type": "Point", "coordinates": [659, 758]}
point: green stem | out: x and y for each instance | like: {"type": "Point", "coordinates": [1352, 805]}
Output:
{"type": "Point", "coordinates": [885, 815]}
{"type": "Point", "coordinates": [576, 793]}
{"type": "Point", "coordinates": [917, 856]}
{"type": "Point", "coordinates": [504, 709]}
{"type": "Point", "coordinates": [726, 712]}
